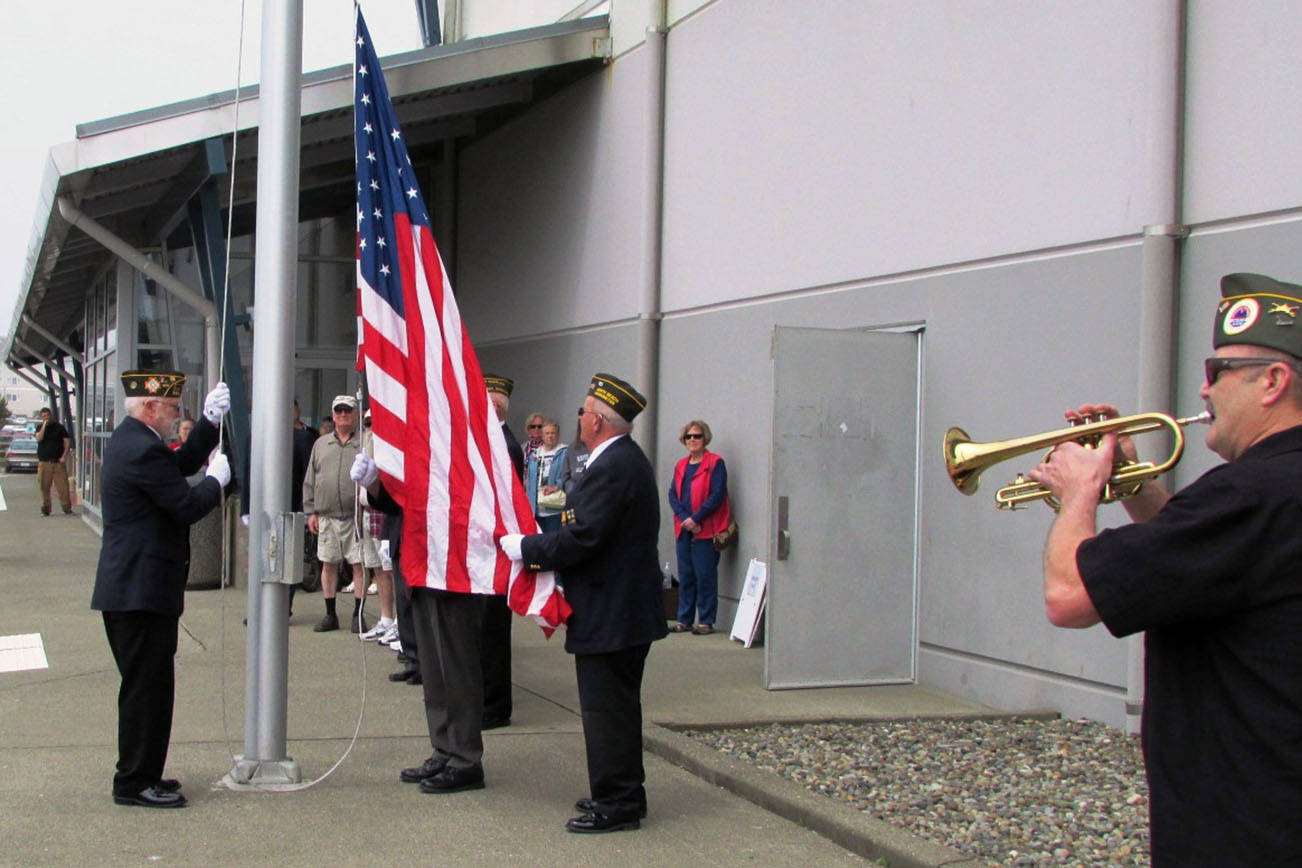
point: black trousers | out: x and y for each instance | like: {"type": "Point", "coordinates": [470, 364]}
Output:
{"type": "Point", "coordinates": [143, 645]}
{"type": "Point", "coordinates": [406, 623]}
{"type": "Point", "coordinates": [449, 628]}
{"type": "Point", "coordinates": [497, 659]}
{"type": "Point", "coordinates": [610, 699]}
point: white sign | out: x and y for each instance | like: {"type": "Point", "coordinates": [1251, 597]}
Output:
{"type": "Point", "coordinates": [751, 604]}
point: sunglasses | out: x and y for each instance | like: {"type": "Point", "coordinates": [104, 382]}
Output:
{"type": "Point", "coordinates": [1217, 365]}
{"type": "Point", "coordinates": [693, 436]}
{"type": "Point", "coordinates": [343, 409]}
{"type": "Point", "coordinates": [531, 427]}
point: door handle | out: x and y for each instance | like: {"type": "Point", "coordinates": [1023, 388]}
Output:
{"type": "Point", "coordinates": [784, 533]}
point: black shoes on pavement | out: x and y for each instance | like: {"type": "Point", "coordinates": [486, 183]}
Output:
{"type": "Point", "coordinates": [428, 769]}
{"type": "Point", "coordinates": [454, 780]}
{"type": "Point", "coordinates": [153, 797]}
{"type": "Point", "coordinates": [595, 823]}
{"type": "Point", "coordinates": [589, 806]}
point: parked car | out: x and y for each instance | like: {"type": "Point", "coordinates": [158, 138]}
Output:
{"type": "Point", "coordinates": [21, 455]}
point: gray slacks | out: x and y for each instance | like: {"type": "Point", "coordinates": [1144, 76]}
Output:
{"type": "Point", "coordinates": [448, 634]}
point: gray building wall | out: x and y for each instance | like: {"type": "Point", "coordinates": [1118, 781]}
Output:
{"type": "Point", "coordinates": [984, 170]}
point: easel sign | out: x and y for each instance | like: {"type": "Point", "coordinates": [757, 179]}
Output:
{"type": "Point", "coordinates": [751, 604]}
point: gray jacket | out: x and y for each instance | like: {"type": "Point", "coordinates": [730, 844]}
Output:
{"type": "Point", "coordinates": [327, 489]}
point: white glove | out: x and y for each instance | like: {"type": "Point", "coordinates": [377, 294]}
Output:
{"type": "Point", "coordinates": [219, 468]}
{"type": "Point", "coordinates": [363, 472]}
{"type": "Point", "coordinates": [217, 403]}
{"type": "Point", "coordinates": [510, 544]}
{"type": "Point", "coordinates": [245, 518]}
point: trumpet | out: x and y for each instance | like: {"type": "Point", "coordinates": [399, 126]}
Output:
{"type": "Point", "coordinates": [966, 460]}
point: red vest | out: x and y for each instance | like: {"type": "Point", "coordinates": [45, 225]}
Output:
{"type": "Point", "coordinates": [699, 490]}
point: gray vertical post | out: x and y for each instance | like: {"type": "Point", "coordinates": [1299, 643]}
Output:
{"type": "Point", "coordinates": [1159, 290]}
{"type": "Point", "coordinates": [265, 759]}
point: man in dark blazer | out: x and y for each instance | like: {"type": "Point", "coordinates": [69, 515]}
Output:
{"type": "Point", "coordinates": [140, 581]}
{"type": "Point", "coordinates": [608, 561]}
{"type": "Point", "coordinates": [497, 615]}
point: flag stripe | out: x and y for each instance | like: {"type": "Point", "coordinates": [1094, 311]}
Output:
{"type": "Point", "coordinates": [438, 444]}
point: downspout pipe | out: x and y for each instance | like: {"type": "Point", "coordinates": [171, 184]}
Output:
{"type": "Point", "coordinates": [1159, 294]}
{"type": "Point", "coordinates": [146, 266]}
{"type": "Point", "coordinates": [649, 312]}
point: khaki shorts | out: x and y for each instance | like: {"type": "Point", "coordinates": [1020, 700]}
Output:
{"type": "Point", "coordinates": [337, 541]}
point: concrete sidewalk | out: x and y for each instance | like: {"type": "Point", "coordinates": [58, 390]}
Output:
{"type": "Point", "coordinates": [59, 726]}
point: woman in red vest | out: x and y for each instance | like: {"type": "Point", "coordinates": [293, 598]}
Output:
{"type": "Point", "coordinates": [699, 498]}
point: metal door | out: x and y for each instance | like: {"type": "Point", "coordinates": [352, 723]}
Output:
{"type": "Point", "coordinates": [843, 577]}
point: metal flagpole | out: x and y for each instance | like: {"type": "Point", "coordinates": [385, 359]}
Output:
{"type": "Point", "coordinates": [271, 553]}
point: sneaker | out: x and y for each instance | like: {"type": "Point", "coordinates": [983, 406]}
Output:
{"type": "Point", "coordinates": [373, 589]}
{"type": "Point", "coordinates": [374, 634]}
{"type": "Point", "coordinates": [346, 589]}
{"type": "Point", "coordinates": [389, 635]}
{"type": "Point", "coordinates": [395, 645]}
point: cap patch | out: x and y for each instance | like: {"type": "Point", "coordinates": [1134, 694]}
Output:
{"type": "Point", "coordinates": [1241, 316]}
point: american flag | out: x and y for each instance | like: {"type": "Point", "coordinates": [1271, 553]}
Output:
{"type": "Point", "coordinates": [438, 444]}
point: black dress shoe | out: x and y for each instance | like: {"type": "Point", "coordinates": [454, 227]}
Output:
{"type": "Point", "coordinates": [454, 780]}
{"type": "Point", "coordinates": [427, 769]}
{"type": "Point", "coordinates": [595, 823]}
{"type": "Point", "coordinates": [403, 675]}
{"type": "Point", "coordinates": [152, 797]}
{"type": "Point", "coordinates": [589, 806]}
{"type": "Point", "coordinates": [326, 624]}
{"type": "Point", "coordinates": [495, 722]}
{"type": "Point", "coordinates": [416, 679]}
{"type": "Point", "coordinates": [168, 785]}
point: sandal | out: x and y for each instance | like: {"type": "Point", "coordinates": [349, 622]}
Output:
{"type": "Point", "coordinates": [680, 627]}
{"type": "Point", "coordinates": [702, 629]}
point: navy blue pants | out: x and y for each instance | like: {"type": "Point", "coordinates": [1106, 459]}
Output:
{"type": "Point", "coordinates": [698, 579]}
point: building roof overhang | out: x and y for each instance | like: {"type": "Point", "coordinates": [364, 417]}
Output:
{"type": "Point", "coordinates": [134, 173]}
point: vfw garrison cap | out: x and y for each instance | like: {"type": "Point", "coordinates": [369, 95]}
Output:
{"type": "Point", "coordinates": [152, 384]}
{"type": "Point", "coordinates": [501, 385]}
{"type": "Point", "coordinates": [1259, 310]}
{"type": "Point", "coordinates": [612, 391]}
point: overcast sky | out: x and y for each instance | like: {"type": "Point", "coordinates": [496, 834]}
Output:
{"type": "Point", "coordinates": [73, 62]}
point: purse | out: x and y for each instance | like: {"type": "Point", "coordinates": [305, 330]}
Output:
{"type": "Point", "coordinates": [726, 538]}
{"type": "Point", "coordinates": [555, 500]}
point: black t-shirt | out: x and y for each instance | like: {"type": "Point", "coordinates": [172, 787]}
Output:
{"type": "Point", "coordinates": [50, 446]}
{"type": "Point", "coordinates": [1215, 579]}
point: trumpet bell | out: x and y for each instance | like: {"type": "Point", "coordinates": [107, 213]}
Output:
{"type": "Point", "coordinates": [966, 477]}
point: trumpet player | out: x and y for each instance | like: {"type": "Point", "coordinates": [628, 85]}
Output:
{"type": "Point", "coordinates": [1213, 577]}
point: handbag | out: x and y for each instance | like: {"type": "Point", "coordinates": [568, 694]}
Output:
{"type": "Point", "coordinates": [726, 538]}
{"type": "Point", "coordinates": [555, 500]}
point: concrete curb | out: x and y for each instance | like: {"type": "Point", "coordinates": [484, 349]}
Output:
{"type": "Point", "coordinates": [840, 823]}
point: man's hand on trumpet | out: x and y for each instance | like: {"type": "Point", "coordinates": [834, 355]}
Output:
{"type": "Point", "coordinates": [1141, 506]}
{"type": "Point", "coordinates": [1076, 474]}
{"type": "Point", "coordinates": [1086, 413]}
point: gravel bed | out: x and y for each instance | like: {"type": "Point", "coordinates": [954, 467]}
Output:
{"type": "Point", "coordinates": [1009, 792]}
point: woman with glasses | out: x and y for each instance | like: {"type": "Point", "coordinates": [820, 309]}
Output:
{"type": "Point", "coordinates": [533, 435]}
{"type": "Point", "coordinates": [699, 498]}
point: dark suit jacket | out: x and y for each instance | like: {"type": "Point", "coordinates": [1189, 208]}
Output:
{"type": "Point", "coordinates": [513, 449]}
{"type": "Point", "coordinates": [606, 554]}
{"type": "Point", "coordinates": [148, 510]}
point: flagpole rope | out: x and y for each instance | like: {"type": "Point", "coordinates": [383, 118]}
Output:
{"type": "Point", "coordinates": [226, 307]}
